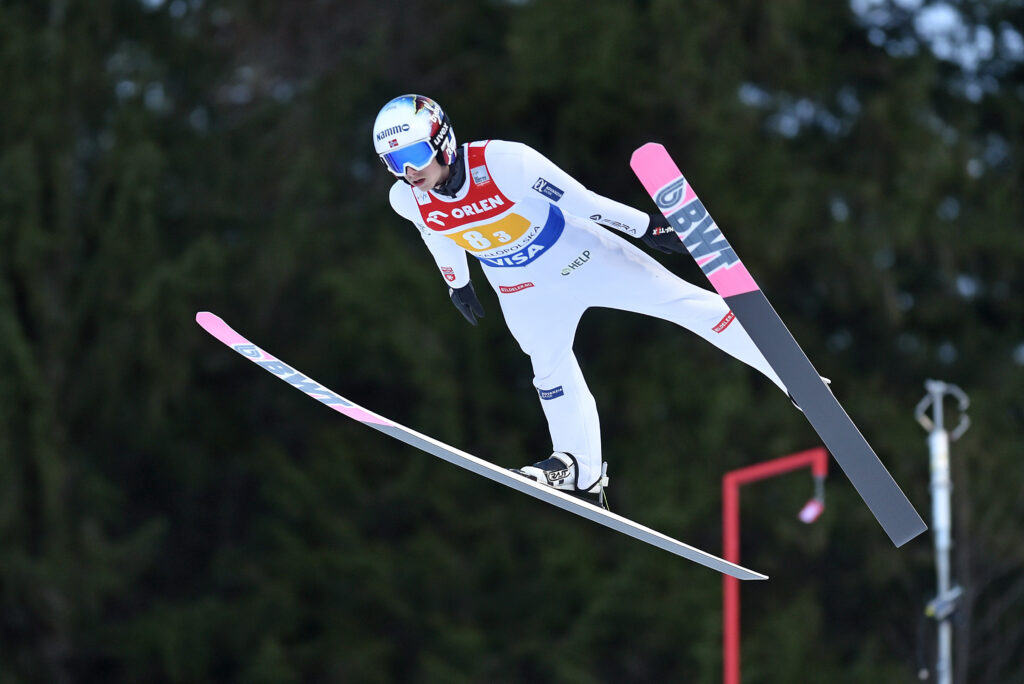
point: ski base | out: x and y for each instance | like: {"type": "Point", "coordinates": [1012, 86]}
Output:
{"type": "Point", "coordinates": [826, 415]}
{"type": "Point", "coordinates": [676, 199]}
{"type": "Point", "coordinates": [219, 329]}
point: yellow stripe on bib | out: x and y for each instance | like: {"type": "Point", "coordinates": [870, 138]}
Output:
{"type": "Point", "coordinates": [487, 236]}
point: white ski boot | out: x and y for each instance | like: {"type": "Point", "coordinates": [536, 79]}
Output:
{"type": "Point", "coordinates": [560, 472]}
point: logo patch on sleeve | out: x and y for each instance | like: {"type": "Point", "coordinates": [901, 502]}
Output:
{"type": "Point", "coordinates": [552, 393]}
{"type": "Point", "coordinates": [552, 192]}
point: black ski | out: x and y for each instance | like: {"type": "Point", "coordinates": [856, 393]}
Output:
{"type": "Point", "coordinates": [693, 224]}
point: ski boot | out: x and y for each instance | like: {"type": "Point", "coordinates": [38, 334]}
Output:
{"type": "Point", "coordinates": [559, 471]}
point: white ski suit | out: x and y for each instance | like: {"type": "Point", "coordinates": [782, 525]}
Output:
{"type": "Point", "coordinates": [534, 230]}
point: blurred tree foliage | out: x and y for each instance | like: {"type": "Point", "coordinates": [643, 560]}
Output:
{"type": "Point", "coordinates": [167, 514]}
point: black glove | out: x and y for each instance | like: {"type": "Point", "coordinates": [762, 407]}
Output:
{"type": "Point", "coordinates": [662, 236]}
{"type": "Point", "coordinates": [464, 299]}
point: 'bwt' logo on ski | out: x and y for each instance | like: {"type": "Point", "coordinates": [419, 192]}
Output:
{"type": "Point", "coordinates": [289, 374]}
{"type": "Point", "coordinates": [696, 228]}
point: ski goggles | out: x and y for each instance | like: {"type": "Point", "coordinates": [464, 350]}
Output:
{"type": "Point", "coordinates": [417, 155]}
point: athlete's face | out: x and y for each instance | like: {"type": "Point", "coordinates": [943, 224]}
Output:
{"type": "Point", "coordinates": [427, 178]}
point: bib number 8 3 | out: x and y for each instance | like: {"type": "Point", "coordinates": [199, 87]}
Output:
{"type": "Point", "coordinates": [476, 239]}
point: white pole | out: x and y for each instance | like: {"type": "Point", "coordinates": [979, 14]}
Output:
{"type": "Point", "coordinates": [942, 607]}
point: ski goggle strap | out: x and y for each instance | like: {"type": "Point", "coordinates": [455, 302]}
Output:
{"type": "Point", "coordinates": [417, 155]}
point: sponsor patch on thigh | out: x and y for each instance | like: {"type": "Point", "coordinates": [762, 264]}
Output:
{"type": "Point", "coordinates": [509, 289]}
{"type": "Point", "coordinates": [724, 323]}
{"type": "Point", "coordinates": [552, 393]}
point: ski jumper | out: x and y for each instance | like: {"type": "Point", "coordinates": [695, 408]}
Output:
{"type": "Point", "coordinates": [535, 231]}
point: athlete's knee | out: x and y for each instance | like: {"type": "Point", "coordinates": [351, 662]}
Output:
{"type": "Point", "coordinates": [550, 367]}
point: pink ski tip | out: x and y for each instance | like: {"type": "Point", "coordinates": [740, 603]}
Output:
{"type": "Point", "coordinates": [644, 151]}
{"type": "Point", "coordinates": [216, 326]}
{"type": "Point", "coordinates": [205, 317]}
{"type": "Point", "coordinates": [654, 167]}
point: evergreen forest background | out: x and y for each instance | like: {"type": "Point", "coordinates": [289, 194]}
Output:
{"type": "Point", "coordinates": [169, 513]}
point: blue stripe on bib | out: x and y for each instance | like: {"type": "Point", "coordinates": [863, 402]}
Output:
{"type": "Point", "coordinates": [548, 236]}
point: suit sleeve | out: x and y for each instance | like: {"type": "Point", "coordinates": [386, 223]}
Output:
{"type": "Point", "coordinates": [449, 257]}
{"type": "Point", "coordinates": [542, 178]}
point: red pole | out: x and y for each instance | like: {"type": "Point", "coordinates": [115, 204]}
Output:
{"type": "Point", "coordinates": [817, 460]}
{"type": "Point", "coordinates": [731, 585]}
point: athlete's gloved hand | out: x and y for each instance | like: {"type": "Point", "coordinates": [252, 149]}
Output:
{"type": "Point", "coordinates": [464, 299]}
{"type": "Point", "coordinates": [661, 236]}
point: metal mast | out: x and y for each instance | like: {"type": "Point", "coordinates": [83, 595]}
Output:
{"type": "Point", "coordinates": [945, 602]}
